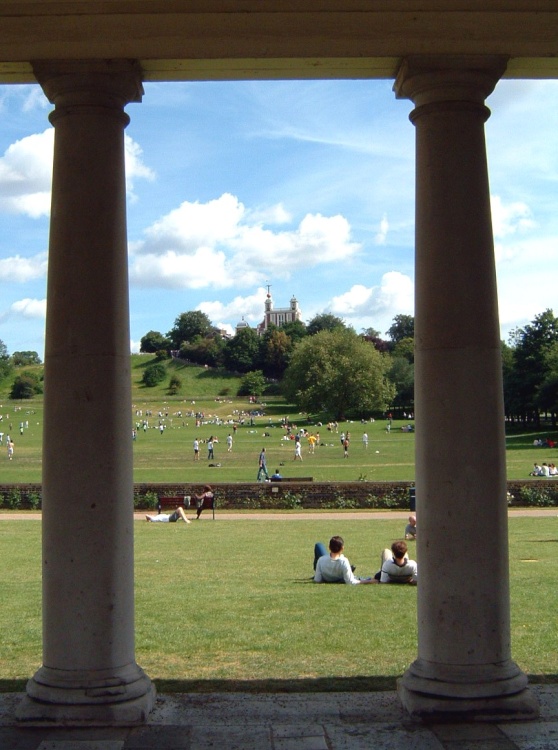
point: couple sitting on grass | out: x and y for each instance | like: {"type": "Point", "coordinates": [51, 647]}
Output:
{"type": "Point", "coordinates": [335, 568]}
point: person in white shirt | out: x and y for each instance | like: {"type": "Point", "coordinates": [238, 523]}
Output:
{"type": "Point", "coordinates": [334, 567]}
{"type": "Point", "coordinates": [168, 517]}
{"type": "Point", "coordinates": [396, 566]}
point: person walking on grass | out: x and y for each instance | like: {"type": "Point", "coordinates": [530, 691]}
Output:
{"type": "Point", "coordinates": [262, 466]}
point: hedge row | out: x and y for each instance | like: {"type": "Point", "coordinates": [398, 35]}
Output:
{"type": "Point", "coordinates": [293, 495]}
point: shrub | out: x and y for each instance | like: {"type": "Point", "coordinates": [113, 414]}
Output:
{"type": "Point", "coordinates": [153, 375]}
{"type": "Point", "coordinates": [539, 497]}
{"type": "Point", "coordinates": [175, 384]}
{"type": "Point", "coordinates": [34, 500]}
{"type": "Point", "coordinates": [26, 385]}
{"type": "Point", "coordinates": [148, 501]}
{"type": "Point", "coordinates": [13, 499]}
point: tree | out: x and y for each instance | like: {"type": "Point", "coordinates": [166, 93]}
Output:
{"type": "Point", "coordinates": [153, 341]}
{"type": "Point", "coordinates": [175, 384]}
{"type": "Point", "coordinates": [242, 352]}
{"type": "Point", "coordinates": [154, 374]}
{"type": "Point", "coordinates": [187, 326]}
{"type": "Point", "coordinates": [295, 330]}
{"type": "Point", "coordinates": [324, 322]}
{"type": "Point", "coordinates": [402, 375]}
{"type": "Point", "coordinates": [5, 361]}
{"type": "Point", "coordinates": [405, 348]}
{"type": "Point", "coordinates": [532, 364]}
{"type": "Point", "coordinates": [339, 373]}
{"type": "Point", "coordinates": [547, 390]}
{"type": "Point", "coordinates": [26, 385]}
{"type": "Point", "coordinates": [403, 327]}
{"type": "Point", "coordinates": [252, 384]}
{"type": "Point", "coordinates": [207, 351]}
{"type": "Point", "coordinates": [24, 359]}
{"type": "Point", "coordinates": [276, 349]}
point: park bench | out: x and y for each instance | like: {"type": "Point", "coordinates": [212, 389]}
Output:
{"type": "Point", "coordinates": [171, 502]}
{"type": "Point", "coordinates": [293, 479]}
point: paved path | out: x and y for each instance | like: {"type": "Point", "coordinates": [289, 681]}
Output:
{"type": "Point", "coordinates": [310, 721]}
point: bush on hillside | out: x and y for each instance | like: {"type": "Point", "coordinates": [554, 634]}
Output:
{"type": "Point", "coordinates": [26, 385]}
{"type": "Point", "coordinates": [175, 384]}
{"type": "Point", "coordinates": [153, 375]}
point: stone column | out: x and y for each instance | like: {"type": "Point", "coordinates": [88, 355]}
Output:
{"type": "Point", "coordinates": [464, 665]}
{"type": "Point", "coordinates": [89, 675]}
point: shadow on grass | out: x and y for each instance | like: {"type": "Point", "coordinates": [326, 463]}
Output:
{"type": "Point", "coordinates": [359, 684]}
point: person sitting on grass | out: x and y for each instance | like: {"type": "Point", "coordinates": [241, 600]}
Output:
{"type": "Point", "coordinates": [334, 567]}
{"type": "Point", "coordinates": [411, 528]}
{"type": "Point", "coordinates": [396, 566]}
{"type": "Point", "coordinates": [169, 517]}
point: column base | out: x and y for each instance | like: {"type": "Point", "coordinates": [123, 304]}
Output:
{"type": "Point", "coordinates": [121, 697]}
{"type": "Point", "coordinates": [489, 692]}
{"type": "Point", "coordinates": [522, 706]}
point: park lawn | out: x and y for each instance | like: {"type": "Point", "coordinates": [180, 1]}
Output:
{"type": "Point", "coordinates": [230, 605]}
{"type": "Point", "coordinates": [169, 457]}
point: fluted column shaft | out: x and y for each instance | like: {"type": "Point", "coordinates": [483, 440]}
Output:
{"type": "Point", "coordinates": [89, 674]}
{"type": "Point", "coordinates": [464, 652]}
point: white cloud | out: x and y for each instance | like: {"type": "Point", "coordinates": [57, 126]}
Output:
{"type": "Point", "coordinates": [26, 173]}
{"type": "Point", "coordinates": [218, 244]}
{"type": "Point", "coordinates": [394, 295]}
{"type": "Point", "coordinates": [382, 233]}
{"type": "Point", "coordinates": [135, 168]}
{"type": "Point", "coordinates": [174, 271]}
{"type": "Point", "coordinates": [277, 214]}
{"type": "Point", "coordinates": [250, 308]}
{"type": "Point", "coordinates": [34, 98]}
{"type": "Point", "coordinates": [21, 270]}
{"type": "Point", "coordinates": [510, 218]}
{"type": "Point", "coordinates": [134, 346]}
{"type": "Point", "coordinates": [27, 309]}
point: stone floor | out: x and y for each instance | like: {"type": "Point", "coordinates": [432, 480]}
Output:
{"type": "Point", "coordinates": [315, 721]}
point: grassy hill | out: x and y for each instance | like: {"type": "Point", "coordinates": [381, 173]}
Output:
{"type": "Point", "coordinates": [167, 457]}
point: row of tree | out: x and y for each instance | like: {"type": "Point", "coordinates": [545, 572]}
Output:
{"type": "Point", "coordinates": [326, 366]}
{"type": "Point", "coordinates": [530, 371]}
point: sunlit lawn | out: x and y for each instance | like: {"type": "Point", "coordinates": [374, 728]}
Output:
{"type": "Point", "coordinates": [169, 457]}
{"type": "Point", "coordinates": [230, 604]}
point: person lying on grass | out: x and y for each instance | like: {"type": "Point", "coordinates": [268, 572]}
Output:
{"type": "Point", "coordinates": [168, 517]}
{"type": "Point", "coordinates": [396, 566]}
{"type": "Point", "coordinates": [334, 567]}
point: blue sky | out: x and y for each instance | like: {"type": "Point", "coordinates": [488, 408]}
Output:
{"type": "Point", "coordinates": [305, 185]}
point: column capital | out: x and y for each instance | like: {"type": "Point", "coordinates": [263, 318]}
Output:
{"type": "Point", "coordinates": [429, 79]}
{"type": "Point", "coordinates": [109, 83]}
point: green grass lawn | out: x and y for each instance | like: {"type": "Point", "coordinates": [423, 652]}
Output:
{"type": "Point", "coordinates": [168, 457]}
{"type": "Point", "coordinates": [230, 605]}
